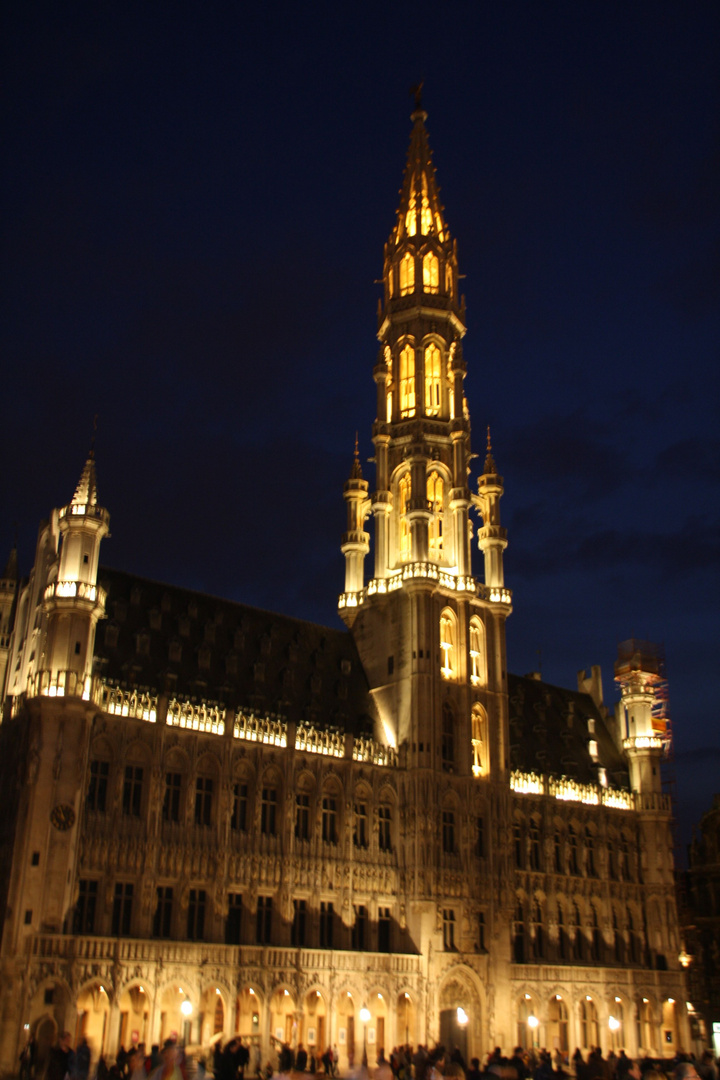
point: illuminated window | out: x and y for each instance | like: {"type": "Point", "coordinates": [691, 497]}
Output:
{"type": "Point", "coordinates": [433, 379]}
{"type": "Point", "coordinates": [405, 539]}
{"type": "Point", "coordinates": [407, 381]}
{"type": "Point", "coordinates": [407, 274]}
{"type": "Point", "coordinates": [410, 218]}
{"type": "Point", "coordinates": [477, 652]}
{"type": "Point", "coordinates": [448, 279]}
{"type": "Point", "coordinates": [431, 273]}
{"type": "Point", "coordinates": [435, 528]}
{"type": "Point", "coordinates": [388, 383]}
{"type": "Point", "coordinates": [479, 736]}
{"type": "Point", "coordinates": [438, 226]}
{"type": "Point", "coordinates": [391, 288]}
{"type": "Point", "coordinates": [449, 930]}
{"type": "Point", "coordinates": [426, 218]}
{"type": "Point", "coordinates": [448, 647]}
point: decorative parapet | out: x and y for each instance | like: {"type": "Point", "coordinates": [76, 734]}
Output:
{"type": "Point", "coordinates": [84, 510]}
{"type": "Point", "coordinates": [375, 753]}
{"type": "Point", "coordinates": [202, 717]}
{"type": "Point", "coordinates": [264, 729]}
{"type": "Point", "coordinates": [415, 571]}
{"type": "Point", "coordinates": [567, 790]}
{"type": "Point", "coordinates": [81, 590]}
{"type": "Point", "coordinates": [62, 684]}
{"type": "Point", "coordinates": [643, 742]}
{"type": "Point", "coordinates": [316, 741]}
{"type": "Point", "coordinates": [119, 702]}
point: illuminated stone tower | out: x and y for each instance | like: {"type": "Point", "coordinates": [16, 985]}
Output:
{"type": "Point", "coordinates": [8, 592]}
{"type": "Point", "coordinates": [431, 637]}
{"type": "Point", "coordinates": [73, 602]}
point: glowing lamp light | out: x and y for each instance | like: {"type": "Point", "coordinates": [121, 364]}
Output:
{"type": "Point", "coordinates": [588, 998]}
{"type": "Point", "coordinates": [614, 1023]}
{"type": "Point", "coordinates": [671, 1001]}
{"type": "Point", "coordinates": [618, 1000]}
{"type": "Point", "coordinates": [462, 1017]}
{"type": "Point", "coordinates": [364, 1014]}
{"type": "Point", "coordinates": [251, 991]}
{"type": "Point", "coordinates": [685, 959]}
{"type": "Point", "coordinates": [217, 989]}
{"type": "Point", "coordinates": [533, 1021]}
{"type": "Point", "coordinates": [527, 997]}
{"type": "Point", "coordinates": [186, 1008]}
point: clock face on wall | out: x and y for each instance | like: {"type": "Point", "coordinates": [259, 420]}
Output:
{"type": "Point", "coordinates": [63, 817]}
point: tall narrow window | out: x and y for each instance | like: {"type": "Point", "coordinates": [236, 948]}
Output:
{"type": "Point", "coordinates": [448, 831]}
{"type": "Point", "coordinates": [538, 937]}
{"type": "Point", "coordinates": [238, 821]}
{"type": "Point", "coordinates": [449, 930]}
{"type": "Point", "coordinates": [410, 216]}
{"type": "Point", "coordinates": [448, 738]}
{"type": "Point", "coordinates": [162, 922]}
{"type": "Point", "coordinates": [268, 811]}
{"type": "Point", "coordinates": [557, 843]}
{"type": "Point", "coordinates": [327, 918]}
{"type": "Point", "coordinates": [431, 273]}
{"type": "Point", "coordinates": [233, 923]}
{"type": "Point", "coordinates": [171, 799]}
{"type": "Point", "coordinates": [384, 828]}
{"type": "Point", "coordinates": [302, 817]}
{"type": "Point", "coordinates": [426, 218]}
{"type": "Point", "coordinates": [389, 385]}
{"type": "Point", "coordinates": [196, 915]}
{"type": "Point", "coordinates": [433, 379]}
{"type": "Point", "coordinates": [481, 932]}
{"type": "Point", "coordinates": [519, 935]}
{"type": "Point", "coordinates": [329, 819]}
{"type": "Point", "coordinates": [448, 279]}
{"type": "Point", "coordinates": [519, 846]}
{"type": "Point", "coordinates": [84, 918]}
{"type": "Point", "coordinates": [298, 933]}
{"type": "Point", "coordinates": [132, 790]}
{"type": "Point", "coordinates": [562, 936]}
{"type": "Point", "coordinates": [477, 652]}
{"type": "Point", "coordinates": [572, 840]}
{"type": "Point", "coordinates": [97, 786]}
{"type": "Point", "coordinates": [203, 800]}
{"type": "Point", "coordinates": [360, 832]}
{"type": "Point", "coordinates": [384, 929]}
{"type": "Point", "coordinates": [480, 837]}
{"type": "Point", "coordinates": [263, 921]}
{"type": "Point", "coordinates": [448, 648]}
{"type": "Point", "coordinates": [122, 908]}
{"type": "Point", "coordinates": [596, 942]}
{"type": "Point", "coordinates": [360, 929]}
{"type": "Point", "coordinates": [579, 937]}
{"type": "Point", "coordinates": [407, 381]}
{"type": "Point", "coordinates": [479, 739]}
{"type": "Point", "coordinates": [534, 846]}
{"type": "Point", "coordinates": [404, 523]}
{"type": "Point", "coordinates": [435, 527]}
{"type": "Point", "coordinates": [390, 282]}
{"type": "Point", "coordinates": [407, 274]}
{"type": "Point", "coordinates": [590, 853]}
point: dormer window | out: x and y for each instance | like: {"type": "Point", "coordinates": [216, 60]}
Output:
{"type": "Point", "coordinates": [407, 274]}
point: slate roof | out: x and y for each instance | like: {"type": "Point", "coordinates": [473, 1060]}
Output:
{"type": "Point", "coordinates": [549, 733]}
{"type": "Point", "coordinates": [170, 640]}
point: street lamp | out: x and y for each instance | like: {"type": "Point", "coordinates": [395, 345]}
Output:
{"type": "Point", "coordinates": [462, 1017]}
{"type": "Point", "coordinates": [533, 1024]}
{"type": "Point", "coordinates": [365, 1016]}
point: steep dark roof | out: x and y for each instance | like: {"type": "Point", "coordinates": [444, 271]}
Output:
{"type": "Point", "coordinates": [549, 733]}
{"type": "Point", "coordinates": [176, 641]}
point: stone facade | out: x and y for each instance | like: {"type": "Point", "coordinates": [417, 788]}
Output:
{"type": "Point", "coordinates": [218, 820]}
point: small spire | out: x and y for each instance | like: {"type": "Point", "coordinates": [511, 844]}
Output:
{"type": "Point", "coordinates": [490, 466]}
{"type": "Point", "coordinates": [356, 471]}
{"type": "Point", "coordinates": [420, 212]}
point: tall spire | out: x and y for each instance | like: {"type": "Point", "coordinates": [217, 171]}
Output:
{"type": "Point", "coordinates": [420, 212]}
{"type": "Point", "coordinates": [86, 491]}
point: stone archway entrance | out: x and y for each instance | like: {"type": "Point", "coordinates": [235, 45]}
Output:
{"type": "Point", "coordinates": [460, 1016]}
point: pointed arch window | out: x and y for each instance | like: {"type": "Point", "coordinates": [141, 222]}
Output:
{"type": "Point", "coordinates": [477, 652]}
{"type": "Point", "coordinates": [426, 217]}
{"type": "Point", "coordinates": [433, 379]}
{"type": "Point", "coordinates": [479, 735]}
{"type": "Point", "coordinates": [410, 218]}
{"type": "Point", "coordinates": [435, 528]}
{"type": "Point", "coordinates": [448, 279]}
{"type": "Point", "coordinates": [407, 381]}
{"type": "Point", "coordinates": [407, 274]}
{"type": "Point", "coordinates": [431, 273]}
{"type": "Point", "coordinates": [391, 282]}
{"type": "Point", "coordinates": [448, 644]}
{"type": "Point", "coordinates": [404, 524]}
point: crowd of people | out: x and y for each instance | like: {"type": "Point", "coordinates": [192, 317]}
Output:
{"type": "Point", "coordinates": [237, 1060]}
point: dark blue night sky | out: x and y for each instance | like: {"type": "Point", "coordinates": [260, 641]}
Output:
{"type": "Point", "coordinates": [195, 201]}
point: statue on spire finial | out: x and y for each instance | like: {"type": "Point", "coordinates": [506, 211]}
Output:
{"type": "Point", "coordinates": [417, 92]}
{"type": "Point", "coordinates": [356, 473]}
{"type": "Point", "coordinates": [490, 467]}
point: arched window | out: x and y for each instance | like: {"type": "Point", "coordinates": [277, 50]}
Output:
{"type": "Point", "coordinates": [448, 644]}
{"type": "Point", "coordinates": [448, 738]}
{"type": "Point", "coordinates": [426, 218]}
{"type": "Point", "coordinates": [407, 381]}
{"type": "Point", "coordinates": [589, 1031]}
{"type": "Point", "coordinates": [479, 739]}
{"type": "Point", "coordinates": [404, 524]}
{"type": "Point", "coordinates": [433, 379]}
{"type": "Point", "coordinates": [390, 281]}
{"type": "Point", "coordinates": [407, 274]}
{"type": "Point", "coordinates": [435, 528]}
{"type": "Point", "coordinates": [477, 652]}
{"type": "Point", "coordinates": [448, 279]}
{"type": "Point", "coordinates": [431, 273]}
{"type": "Point", "coordinates": [558, 1024]}
{"type": "Point", "coordinates": [410, 218]}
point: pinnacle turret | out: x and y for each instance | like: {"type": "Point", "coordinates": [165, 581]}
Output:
{"type": "Point", "coordinates": [86, 490]}
{"type": "Point", "coordinates": [420, 212]}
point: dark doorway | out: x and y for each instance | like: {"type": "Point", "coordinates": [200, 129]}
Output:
{"type": "Point", "coordinates": [453, 1034]}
